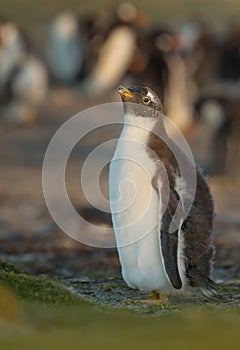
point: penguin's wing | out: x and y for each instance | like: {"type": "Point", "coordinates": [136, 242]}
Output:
{"type": "Point", "coordinates": [169, 241]}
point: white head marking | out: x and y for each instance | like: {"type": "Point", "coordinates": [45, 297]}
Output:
{"type": "Point", "coordinates": [151, 95]}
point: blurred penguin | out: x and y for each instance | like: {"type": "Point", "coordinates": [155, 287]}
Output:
{"type": "Point", "coordinates": [117, 50]}
{"type": "Point", "coordinates": [229, 64]}
{"type": "Point", "coordinates": [23, 78]}
{"type": "Point", "coordinates": [215, 118]}
{"type": "Point", "coordinates": [158, 64]}
{"type": "Point", "coordinates": [200, 49]}
{"type": "Point", "coordinates": [66, 48]}
{"type": "Point", "coordinates": [113, 61]}
{"type": "Point", "coordinates": [12, 50]}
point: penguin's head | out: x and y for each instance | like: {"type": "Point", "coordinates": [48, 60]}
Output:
{"type": "Point", "coordinates": [137, 96]}
{"type": "Point", "coordinates": [143, 113]}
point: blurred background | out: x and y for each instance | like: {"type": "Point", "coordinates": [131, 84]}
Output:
{"type": "Point", "coordinates": [58, 58]}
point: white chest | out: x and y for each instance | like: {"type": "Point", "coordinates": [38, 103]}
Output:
{"type": "Point", "coordinates": [136, 213]}
{"type": "Point", "coordinates": [131, 191]}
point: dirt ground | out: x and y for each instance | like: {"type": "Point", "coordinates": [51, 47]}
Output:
{"type": "Point", "coordinates": [30, 239]}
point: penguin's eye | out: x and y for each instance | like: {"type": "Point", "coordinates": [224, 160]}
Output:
{"type": "Point", "coordinates": [146, 100]}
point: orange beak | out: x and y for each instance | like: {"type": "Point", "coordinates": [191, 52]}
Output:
{"type": "Point", "coordinates": [124, 92]}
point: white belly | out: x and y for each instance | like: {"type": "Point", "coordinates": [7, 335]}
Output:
{"type": "Point", "coordinates": [136, 214]}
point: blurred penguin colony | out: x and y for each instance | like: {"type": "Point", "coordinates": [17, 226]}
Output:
{"type": "Point", "coordinates": [195, 71]}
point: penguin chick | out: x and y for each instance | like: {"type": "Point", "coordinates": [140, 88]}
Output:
{"type": "Point", "coordinates": [144, 172]}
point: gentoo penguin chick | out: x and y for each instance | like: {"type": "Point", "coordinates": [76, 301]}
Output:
{"type": "Point", "coordinates": [153, 257]}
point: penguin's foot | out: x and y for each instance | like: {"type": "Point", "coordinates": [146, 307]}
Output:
{"type": "Point", "coordinates": [155, 299]}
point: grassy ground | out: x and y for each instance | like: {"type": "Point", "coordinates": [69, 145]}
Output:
{"type": "Point", "coordinates": [82, 328]}
{"type": "Point", "coordinates": [42, 313]}
{"type": "Point", "coordinates": [36, 289]}
{"type": "Point", "coordinates": [35, 14]}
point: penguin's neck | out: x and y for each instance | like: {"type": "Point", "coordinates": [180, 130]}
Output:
{"type": "Point", "coordinates": [137, 127]}
{"type": "Point", "coordinates": [141, 128]}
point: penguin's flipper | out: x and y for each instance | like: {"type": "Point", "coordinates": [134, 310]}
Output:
{"type": "Point", "coordinates": [169, 241]}
{"type": "Point", "coordinates": [169, 247]}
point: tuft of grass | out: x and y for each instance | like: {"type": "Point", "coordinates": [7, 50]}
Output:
{"type": "Point", "coordinates": [39, 289]}
{"type": "Point", "coordinates": [8, 267]}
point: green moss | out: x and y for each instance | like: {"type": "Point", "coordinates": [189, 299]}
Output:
{"type": "Point", "coordinates": [7, 267]}
{"type": "Point", "coordinates": [229, 289]}
{"type": "Point", "coordinates": [38, 289]}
